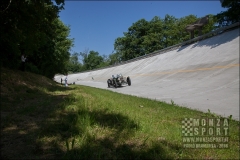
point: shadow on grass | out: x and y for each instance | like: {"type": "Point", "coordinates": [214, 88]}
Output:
{"type": "Point", "coordinates": [40, 128]}
{"type": "Point", "coordinates": [24, 108]}
{"type": "Point", "coordinates": [115, 143]}
{"type": "Point", "coordinates": [106, 149]}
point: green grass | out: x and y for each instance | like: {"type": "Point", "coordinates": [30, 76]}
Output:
{"type": "Point", "coordinates": [79, 122]}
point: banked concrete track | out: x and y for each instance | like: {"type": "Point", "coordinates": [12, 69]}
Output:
{"type": "Point", "coordinates": [202, 76]}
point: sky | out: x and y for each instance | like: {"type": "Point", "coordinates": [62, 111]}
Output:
{"type": "Point", "coordinates": [94, 25]}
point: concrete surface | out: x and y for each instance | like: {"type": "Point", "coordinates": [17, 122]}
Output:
{"type": "Point", "coordinates": [202, 76]}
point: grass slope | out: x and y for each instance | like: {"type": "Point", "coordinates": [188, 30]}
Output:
{"type": "Point", "coordinates": [42, 120]}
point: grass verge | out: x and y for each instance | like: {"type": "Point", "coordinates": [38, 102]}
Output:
{"type": "Point", "coordinates": [42, 120]}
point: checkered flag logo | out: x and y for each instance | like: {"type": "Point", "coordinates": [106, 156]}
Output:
{"type": "Point", "coordinates": [187, 127]}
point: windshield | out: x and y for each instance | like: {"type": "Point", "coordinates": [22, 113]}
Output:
{"type": "Point", "coordinates": [120, 75]}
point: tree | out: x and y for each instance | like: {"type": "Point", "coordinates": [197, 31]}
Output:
{"type": "Point", "coordinates": [181, 24]}
{"type": "Point", "coordinates": [211, 26]}
{"type": "Point", "coordinates": [131, 45]}
{"type": "Point", "coordinates": [74, 65]}
{"type": "Point", "coordinates": [32, 27]}
{"type": "Point", "coordinates": [114, 58]}
{"type": "Point", "coordinates": [145, 37]}
{"type": "Point", "coordinates": [105, 61]}
{"type": "Point", "coordinates": [152, 41]}
{"type": "Point", "coordinates": [92, 60]}
{"type": "Point", "coordinates": [52, 55]}
{"type": "Point", "coordinates": [231, 15]}
{"type": "Point", "coordinates": [170, 30]}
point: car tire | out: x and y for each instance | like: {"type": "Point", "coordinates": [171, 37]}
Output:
{"type": "Point", "coordinates": [115, 83]}
{"type": "Point", "coordinates": [129, 81]}
{"type": "Point", "coordinates": [108, 82]}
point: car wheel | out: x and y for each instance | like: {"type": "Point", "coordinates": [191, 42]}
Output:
{"type": "Point", "coordinates": [129, 81]}
{"type": "Point", "coordinates": [108, 82]}
{"type": "Point", "coordinates": [115, 83]}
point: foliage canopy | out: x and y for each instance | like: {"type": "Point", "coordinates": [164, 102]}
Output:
{"type": "Point", "coordinates": [32, 27]}
{"type": "Point", "coordinates": [145, 37]}
{"type": "Point", "coordinates": [231, 15]}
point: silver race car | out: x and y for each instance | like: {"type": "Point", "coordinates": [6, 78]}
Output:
{"type": "Point", "coordinates": [118, 81]}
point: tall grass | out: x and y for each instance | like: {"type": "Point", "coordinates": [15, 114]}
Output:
{"type": "Point", "coordinates": [115, 126]}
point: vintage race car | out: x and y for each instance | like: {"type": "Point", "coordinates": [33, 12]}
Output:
{"type": "Point", "coordinates": [118, 81]}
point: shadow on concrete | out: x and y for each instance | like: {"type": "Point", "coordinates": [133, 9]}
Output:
{"type": "Point", "coordinates": [215, 41]}
{"type": "Point", "coordinates": [117, 87]}
{"type": "Point", "coordinates": [218, 40]}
